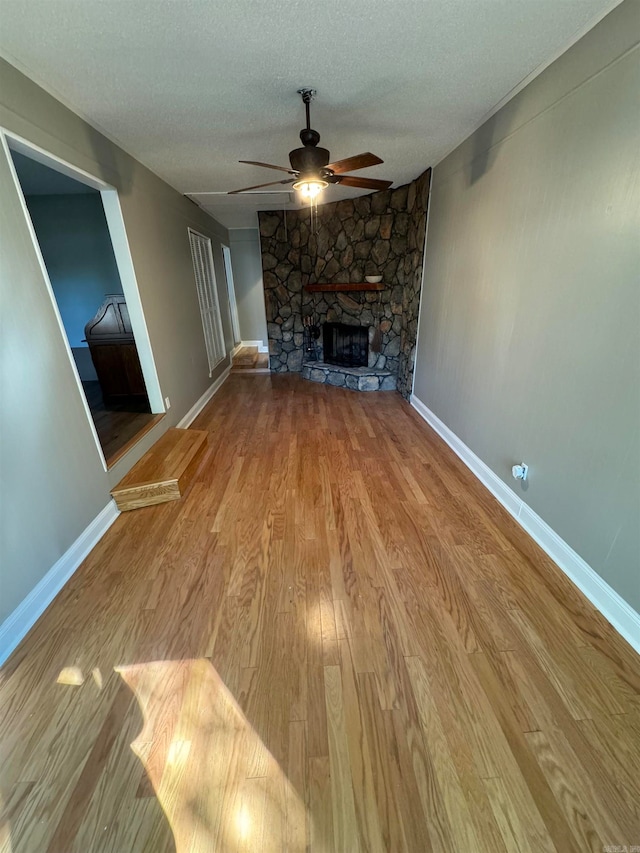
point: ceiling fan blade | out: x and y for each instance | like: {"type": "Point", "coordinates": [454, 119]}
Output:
{"type": "Point", "coordinates": [258, 186]}
{"type": "Point", "coordinates": [360, 161]}
{"type": "Point", "coordinates": [363, 183]}
{"type": "Point", "coordinates": [269, 166]}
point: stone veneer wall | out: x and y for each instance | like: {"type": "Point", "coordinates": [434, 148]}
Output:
{"type": "Point", "coordinates": [378, 234]}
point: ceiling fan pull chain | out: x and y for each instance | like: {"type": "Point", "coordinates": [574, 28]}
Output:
{"type": "Point", "coordinates": [314, 210]}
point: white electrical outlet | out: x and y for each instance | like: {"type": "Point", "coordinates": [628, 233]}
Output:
{"type": "Point", "coordinates": [520, 471]}
{"type": "Point", "coordinates": [167, 403]}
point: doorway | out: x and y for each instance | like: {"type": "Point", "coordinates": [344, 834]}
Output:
{"type": "Point", "coordinates": [78, 232]}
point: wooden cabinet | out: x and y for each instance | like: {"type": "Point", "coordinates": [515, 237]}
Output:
{"type": "Point", "coordinates": [113, 351]}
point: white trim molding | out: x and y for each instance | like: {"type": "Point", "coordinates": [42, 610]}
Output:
{"type": "Point", "coordinates": [604, 598]}
{"type": "Point", "coordinates": [17, 625]}
{"type": "Point", "coordinates": [199, 405]}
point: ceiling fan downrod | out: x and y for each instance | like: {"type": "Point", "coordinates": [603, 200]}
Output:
{"type": "Point", "coordinates": [308, 136]}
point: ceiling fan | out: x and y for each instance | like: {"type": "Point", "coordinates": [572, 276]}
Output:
{"type": "Point", "coordinates": [310, 168]}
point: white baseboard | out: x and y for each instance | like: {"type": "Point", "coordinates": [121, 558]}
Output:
{"type": "Point", "coordinates": [195, 410]}
{"type": "Point", "coordinates": [604, 598]}
{"type": "Point", "coordinates": [19, 623]}
{"type": "Point", "coordinates": [260, 344]}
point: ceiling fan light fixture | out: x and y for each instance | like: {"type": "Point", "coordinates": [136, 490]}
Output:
{"type": "Point", "coordinates": [310, 169]}
{"type": "Point", "coordinates": [310, 188]}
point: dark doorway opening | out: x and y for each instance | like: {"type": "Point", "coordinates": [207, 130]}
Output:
{"type": "Point", "coordinates": [73, 236]}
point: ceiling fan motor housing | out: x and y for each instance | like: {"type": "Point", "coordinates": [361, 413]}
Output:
{"type": "Point", "coordinates": [309, 159]}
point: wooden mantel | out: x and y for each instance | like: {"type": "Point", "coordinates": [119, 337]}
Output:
{"type": "Point", "coordinates": [364, 285]}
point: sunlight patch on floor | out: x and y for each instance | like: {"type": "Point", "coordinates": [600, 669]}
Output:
{"type": "Point", "coordinates": [74, 677]}
{"type": "Point", "coordinates": [202, 757]}
{"type": "Point", "coordinates": [71, 675]}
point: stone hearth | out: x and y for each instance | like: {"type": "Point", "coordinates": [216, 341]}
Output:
{"type": "Point", "coordinates": [355, 378]}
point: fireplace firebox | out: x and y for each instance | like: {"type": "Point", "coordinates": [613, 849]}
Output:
{"type": "Point", "coordinates": [345, 345]}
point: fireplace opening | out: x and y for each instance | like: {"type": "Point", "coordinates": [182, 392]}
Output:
{"type": "Point", "coordinates": [345, 345]}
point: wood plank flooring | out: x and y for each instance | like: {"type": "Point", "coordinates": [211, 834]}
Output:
{"type": "Point", "coordinates": [337, 641]}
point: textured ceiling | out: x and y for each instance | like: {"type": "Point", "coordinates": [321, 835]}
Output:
{"type": "Point", "coordinates": [190, 86]}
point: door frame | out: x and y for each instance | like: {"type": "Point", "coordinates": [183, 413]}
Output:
{"type": "Point", "coordinates": [11, 141]}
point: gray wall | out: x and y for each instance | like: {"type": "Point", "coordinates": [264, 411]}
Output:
{"type": "Point", "coordinates": [76, 247]}
{"type": "Point", "coordinates": [53, 483]}
{"type": "Point", "coordinates": [529, 341]}
{"type": "Point", "coordinates": [246, 263]}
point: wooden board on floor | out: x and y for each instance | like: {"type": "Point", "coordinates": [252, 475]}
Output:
{"type": "Point", "coordinates": [245, 357]}
{"type": "Point", "coordinates": [248, 361]}
{"type": "Point", "coordinates": [164, 472]}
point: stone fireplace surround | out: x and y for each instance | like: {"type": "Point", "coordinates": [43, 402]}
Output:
{"type": "Point", "coordinates": [365, 377]}
{"type": "Point", "coordinates": [378, 234]}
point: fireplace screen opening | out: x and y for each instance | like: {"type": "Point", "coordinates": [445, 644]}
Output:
{"type": "Point", "coordinates": [345, 345]}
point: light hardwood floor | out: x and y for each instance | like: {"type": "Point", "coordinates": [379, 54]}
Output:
{"type": "Point", "coordinates": [337, 641]}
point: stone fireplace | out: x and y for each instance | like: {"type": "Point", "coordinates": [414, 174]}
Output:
{"type": "Point", "coordinates": [318, 278]}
